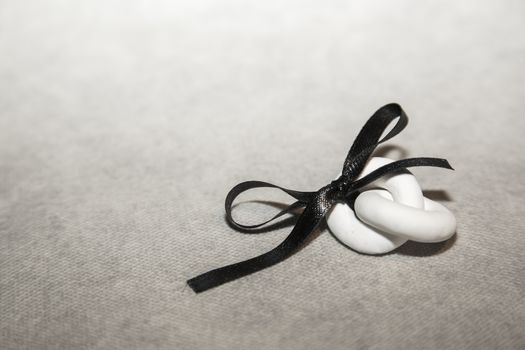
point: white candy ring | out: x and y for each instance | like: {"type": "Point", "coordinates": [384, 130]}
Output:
{"type": "Point", "coordinates": [386, 218]}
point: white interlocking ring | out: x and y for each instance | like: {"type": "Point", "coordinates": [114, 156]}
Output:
{"type": "Point", "coordinates": [386, 218]}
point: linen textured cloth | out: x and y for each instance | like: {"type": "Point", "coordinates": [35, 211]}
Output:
{"type": "Point", "coordinates": [123, 124]}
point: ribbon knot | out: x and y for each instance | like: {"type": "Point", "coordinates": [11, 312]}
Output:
{"type": "Point", "coordinates": [341, 185]}
{"type": "Point", "coordinates": [317, 204]}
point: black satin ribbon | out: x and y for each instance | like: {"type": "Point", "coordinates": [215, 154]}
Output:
{"type": "Point", "coordinates": [317, 204]}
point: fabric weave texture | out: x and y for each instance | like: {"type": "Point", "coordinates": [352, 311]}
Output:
{"type": "Point", "coordinates": [123, 124]}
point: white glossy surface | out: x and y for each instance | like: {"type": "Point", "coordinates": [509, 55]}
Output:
{"type": "Point", "coordinates": [433, 223]}
{"type": "Point", "coordinates": [386, 218]}
{"type": "Point", "coordinates": [351, 231]}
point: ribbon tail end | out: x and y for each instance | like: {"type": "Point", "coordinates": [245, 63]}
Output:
{"type": "Point", "coordinates": [196, 285]}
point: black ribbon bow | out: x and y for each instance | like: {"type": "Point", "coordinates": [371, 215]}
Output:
{"type": "Point", "coordinates": [317, 204]}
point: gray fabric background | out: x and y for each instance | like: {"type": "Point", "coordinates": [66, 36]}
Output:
{"type": "Point", "coordinates": [124, 123]}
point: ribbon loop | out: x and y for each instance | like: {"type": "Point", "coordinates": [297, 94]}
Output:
{"type": "Point", "coordinates": [303, 198]}
{"type": "Point", "coordinates": [317, 204]}
{"type": "Point", "coordinates": [369, 137]}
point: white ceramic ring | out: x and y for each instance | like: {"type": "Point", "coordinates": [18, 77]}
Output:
{"type": "Point", "coordinates": [345, 225]}
{"type": "Point", "coordinates": [433, 223]}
